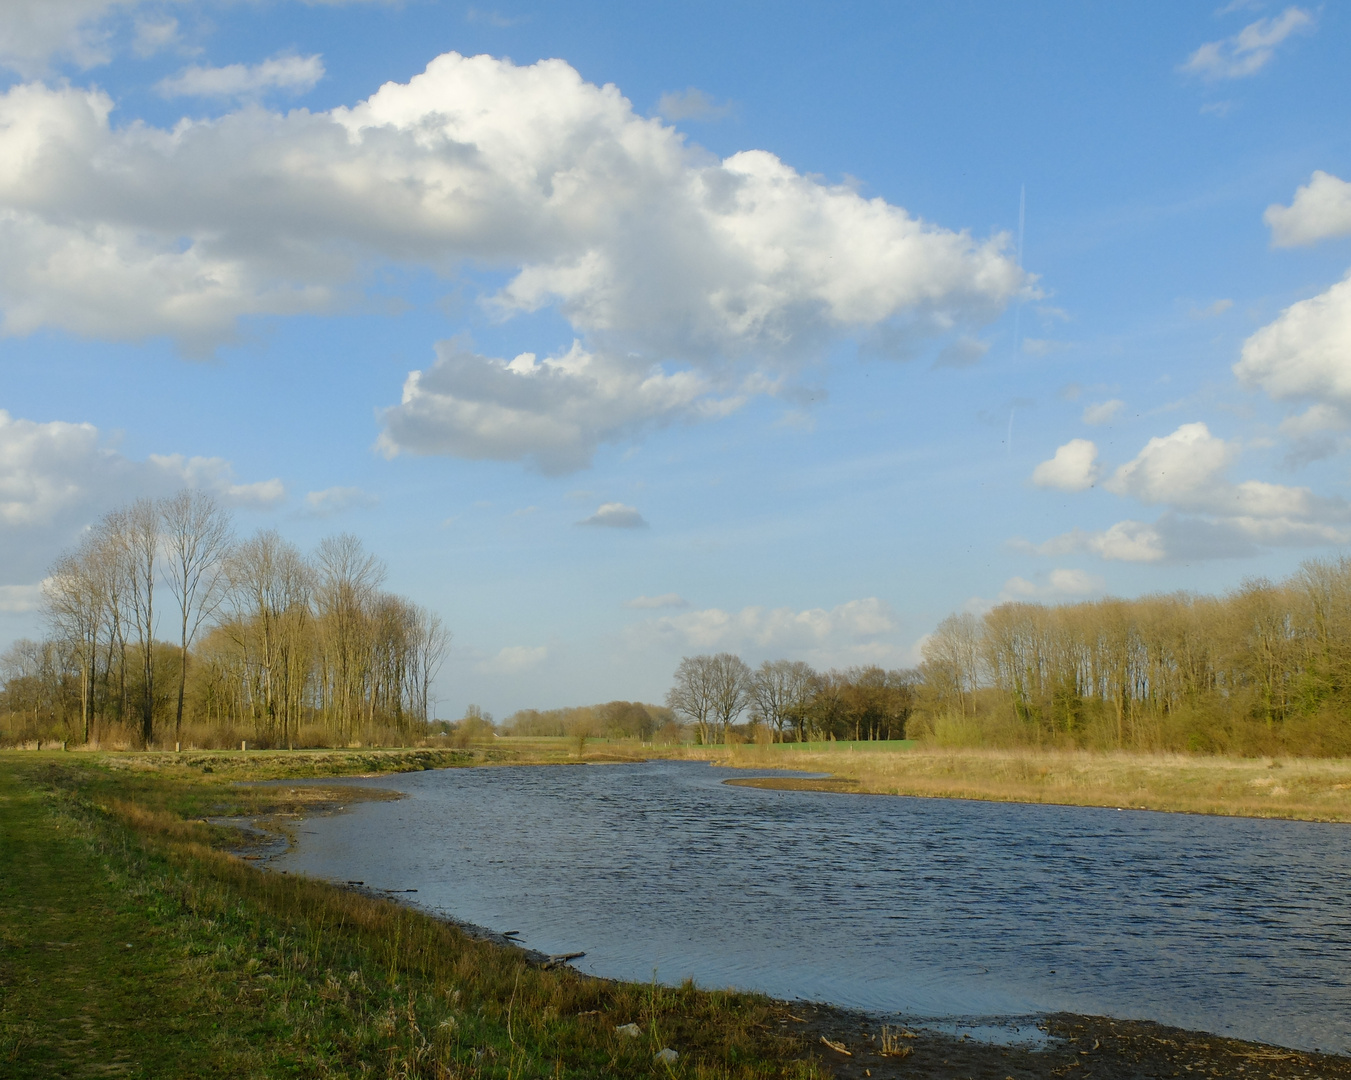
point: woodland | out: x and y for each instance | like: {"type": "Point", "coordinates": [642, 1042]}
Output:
{"type": "Point", "coordinates": [279, 648]}
{"type": "Point", "coordinates": [270, 645]}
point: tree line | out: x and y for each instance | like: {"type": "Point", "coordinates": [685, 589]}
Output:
{"type": "Point", "coordinates": [788, 699]}
{"type": "Point", "coordinates": [267, 641]}
{"type": "Point", "coordinates": [1265, 668]}
{"type": "Point", "coordinates": [612, 720]}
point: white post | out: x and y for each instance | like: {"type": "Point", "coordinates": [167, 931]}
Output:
{"type": "Point", "coordinates": [243, 746]}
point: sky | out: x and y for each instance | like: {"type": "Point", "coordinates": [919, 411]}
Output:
{"type": "Point", "coordinates": [628, 332]}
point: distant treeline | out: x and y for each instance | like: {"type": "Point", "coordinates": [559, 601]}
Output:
{"type": "Point", "coordinates": [613, 720]}
{"type": "Point", "coordinates": [787, 699]}
{"type": "Point", "coordinates": [1265, 669]}
{"type": "Point", "coordinates": [269, 644]}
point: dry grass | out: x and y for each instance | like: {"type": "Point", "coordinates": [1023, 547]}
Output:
{"type": "Point", "coordinates": [1307, 789]}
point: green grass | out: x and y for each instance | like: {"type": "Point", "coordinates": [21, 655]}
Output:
{"type": "Point", "coordinates": [130, 945]}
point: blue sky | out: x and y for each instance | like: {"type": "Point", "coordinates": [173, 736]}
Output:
{"type": "Point", "coordinates": [779, 328]}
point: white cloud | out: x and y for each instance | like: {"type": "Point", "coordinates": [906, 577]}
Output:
{"type": "Point", "coordinates": [514, 659]}
{"type": "Point", "coordinates": [616, 516]}
{"type": "Point", "coordinates": [691, 104]}
{"type": "Point", "coordinates": [56, 477]}
{"type": "Point", "coordinates": [654, 251]}
{"type": "Point", "coordinates": [1059, 584]}
{"type": "Point", "coordinates": [154, 34]}
{"type": "Point", "coordinates": [296, 74]}
{"type": "Point", "coordinates": [1305, 353]}
{"type": "Point", "coordinates": [20, 599]}
{"type": "Point", "coordinates": [552, 412]}
{"type": "Point", "coordinates": [1207, 515]}
{"type": "Point", "coordinates": [1073, 468]}
{"type": "Point", "coordinates": [33, 31]}
{"type": "Point", "coordinates": [665, 600]}
{"type": "Point", "coordinates": [1180, 469]}
{"type": "Point", "coordinates": [1104, 412]}
{"type": "Point", "coordinates": [1251, 49]}
{"type": "Point", "coordinates": [334, 500]}
{"type": "Point", "coordinates": [1319, 210]}
{"type": "Point", "coordinates": [852, 633]}
{"type": "Point", "coordinates": [1126, 541]}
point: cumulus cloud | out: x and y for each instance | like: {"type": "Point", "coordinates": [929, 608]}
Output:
{"type": "Point", "coordinates": [1305, 353]}
{"type": "Point", "coordinates": [56, 477]}
{"type": "Point", "coordinates": [1126, 541]}
{"type": "Point", "coordinates": [1059, 584]}
{"type": "Point", "coordinates": [553, 412]}
{"type": "Point", "coordinates": [665, 600]}
{"type": "Point", "coordinates": [654, 251]}
{"type": "Point", "coordinates": [855, 632]}
{"type": "Point", "coordinates": [1206, 514]}
{"type": "Point", "coordinates": [514, 659]}
{"type": "Point", "coordinates": [616, 516]}
{"type": "Point", "coordinates": [1073, 468]}
{"type": "Point", "coordinates": [334, 500]}
{"type": "Point", "coordinates": [295, 74]}
{"type": "Point", "coordinates": [691, 104]}
{"type": "Point", "coordinates": [1251, 49]}
{"type": "Point", "coordinates": [1320, 209]}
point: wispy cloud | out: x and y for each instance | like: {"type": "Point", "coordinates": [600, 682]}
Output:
{"type": "Point", "coordinates": [1251, 49]}
{"type": "Point", "coordinates": [495, 19]}
{"type": "Point", "coordinates": [616, 516]}
{"type": "Point", "coordinates": [514, 659]}
{"type": "Point", "coordinates": [334, 500]}
{"type": "Point", "coordinates": [665, 600]}
{"type": "Point", "coordinates": [295, 74]}
{"type": "Point", "coordinates": [691, 104]}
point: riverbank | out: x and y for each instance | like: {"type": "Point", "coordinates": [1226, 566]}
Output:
{"type": "Point", "coordinates": [132, 941]}
{"type": "Point", "coordinates": [1301, 789]}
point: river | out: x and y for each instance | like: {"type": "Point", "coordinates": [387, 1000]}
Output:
{"type": "Point", "coordinates": [932, 909]}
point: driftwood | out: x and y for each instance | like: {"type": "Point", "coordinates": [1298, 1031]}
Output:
{"type": "Point", "coordinates": [839, 1048]}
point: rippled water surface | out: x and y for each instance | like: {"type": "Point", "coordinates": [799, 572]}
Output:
{"type": "Point", "coordinates": [925, 907]}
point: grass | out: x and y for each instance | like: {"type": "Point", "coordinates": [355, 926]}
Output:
{"type": "Point", "coordinates": [1309, 789]}
{"type": "Point", "coordinates": [132, 944]}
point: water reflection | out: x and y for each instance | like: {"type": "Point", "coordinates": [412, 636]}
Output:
{"type": "Point", "coordinates": [928, 908]}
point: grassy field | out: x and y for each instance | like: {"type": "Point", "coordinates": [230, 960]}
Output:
{"type": "Point", "coordinates": [132, 945]}
{"type": "Point", "coordinates": [1310, 789]}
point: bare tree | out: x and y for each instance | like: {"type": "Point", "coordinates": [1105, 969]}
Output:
{"type": "Point", "coordinates": [694, 693]}
{"type": "Point", "coordinates": [731, 689]}
{"type": "Point", "coordinates": [779, 692]}
{"type": "Point", "coordinates": [270, 587]}
{"type": "Point", "coordinates": [139, 533]}
{"type": "Point", "coordinates": [952, 659]}
{"type": "Point", "coordinates": [348, 580]}
{"type": "Point", "coordinates": [197, 535]}
{"type": "Point", "coordinates": [75, 603]}
{"type": "Point", "coordinates": [430, 643]}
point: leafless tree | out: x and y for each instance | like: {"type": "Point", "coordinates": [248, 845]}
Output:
{"type": "Point", "coordinates": [75, 604]}
{"type": "Point", "coordinates": [693, 694]}
{"type": "Point", "coordinates": [780, 691]}
{"type": "Point", "coordinates": [138, 532]}
{"type": "Point", "coordinates": [197, 534]}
